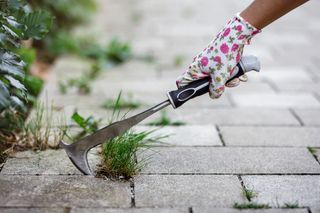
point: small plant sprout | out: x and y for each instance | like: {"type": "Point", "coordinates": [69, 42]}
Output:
{"type": "Point", "coordinates": [164, 120]}
{"type": "Point", "coordinates": [83, 82]}
{"type": "Point", "coordinates": [88, 125]}
{"type": "Point", "coordinates": [312, 150]}
{"type": "Point", "coordinates": [249, 193]}
{"type": "Point", "coordinates": [291, 205]}
{"type": "Point", "coordinates": [177, 61]}
{"type": "Point", "coordinates": [251, 206]}
{"type": "Point", "coordinates": [40, 132]}
{"type": "Point", "coordinates": [128, 103]}
{"type": "Point", "coordinates": [119, 154]}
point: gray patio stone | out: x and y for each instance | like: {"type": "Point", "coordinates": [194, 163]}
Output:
{"type": "Point", "coordinates": [315, 210]}
{"type": "Point", "coordinates": [229, 210]}
{"type": "Point", "coordinates": [57, 191]}
{"type": "Point", "coordinates": [308, 116]}
{"type": "Point", "coordinates": [230, 160]}
{"type": "Point", "coordinates": [298, 87]}
{"type": "Point", "coordinates": [130, 210]}
{"type": "Point", "coordinates": [280, 100]}
{"type": "Point", "coordinates": [31, 210]}
{"type": "Point", "coordinates": [187, 190]}
{"type": "Point", "coordinates": [233, 116]}
{"type": "Point", "coordinates": [271, 136]}
{"type": "Point", "coordinates": [278, 190]}
{"type": "Point", "coordinates": [284, 74]}
{"type": "Point", "coordinates": [49, 162]}
{"type": "Point", "coordinates": [189, 135]}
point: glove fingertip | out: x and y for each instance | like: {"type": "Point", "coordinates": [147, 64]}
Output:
{"type": "Point", "coordinates": [216, 92]}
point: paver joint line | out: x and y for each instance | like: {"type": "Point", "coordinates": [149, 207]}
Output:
{"type": "Point", "coordinates": [220, 135]}
{"type": "Point", "coordinates": [297, 117]}
{"type": "Point", "coordinates": [133, 200]}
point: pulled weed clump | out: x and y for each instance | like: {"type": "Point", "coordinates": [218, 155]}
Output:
{"type": "Point", "coordinates": [164, 120]}
{"type": "Point", "coordinates": [127, 103]}
{"type": "Point", "coordinates": [119, 154]}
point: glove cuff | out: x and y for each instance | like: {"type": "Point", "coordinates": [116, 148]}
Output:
{"type": "Point", "coordinates": [245, 29]}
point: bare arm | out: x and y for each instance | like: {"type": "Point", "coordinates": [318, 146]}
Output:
{"type": "Point", "coordinates": [261, 13]}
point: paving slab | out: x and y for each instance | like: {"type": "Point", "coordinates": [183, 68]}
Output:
{"type": "Point", "coordinates": [298, 87]}
{"type": "Point", "coordinates": [189, 135]}
{"type": "Point", "coordinates": [187, 190]}
{"type": "Point", "coordinates": [130, 210]}
{"type": "Point", "coordinates": [278, 190]}
{"type": "Point", "coordinates": [32, 210]}
{"type": "Point", "coordinates": [58, 191]}
{"type": "Point", "coordinates": [309, 116]}
{"type": "Point", "coordinates": [315, 210]}
{"type": "Point", "coordinates": [270, 136]}
{"type": "Point", "coordinates": [287, 74]}
{"type": "Point", "coordinates": [230, 210]}
{"type": "Point", "coordinates": [279, 100]}
{"type": "Point", "coordinates": [230, 160]}
{"type": "Point", "coordinates": [234, 116]}
{"type": "Point", "coordinates": [49, 162]}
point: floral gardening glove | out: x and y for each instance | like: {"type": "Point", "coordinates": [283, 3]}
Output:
{"type": "Point", "coordinates": [220, 57]}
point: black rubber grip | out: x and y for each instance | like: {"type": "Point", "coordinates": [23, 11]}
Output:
{"type": "Point", "coordinates": [194, 89]}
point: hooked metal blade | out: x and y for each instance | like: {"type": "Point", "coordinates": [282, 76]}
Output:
{"type": "Point", "coordinates": [78, 151]}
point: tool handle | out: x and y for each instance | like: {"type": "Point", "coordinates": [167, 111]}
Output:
{"type": "Point", "coordinates": [200, 87]}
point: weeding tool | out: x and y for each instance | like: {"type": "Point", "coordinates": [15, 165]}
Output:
{"type": "Point", "coordinates": [77, 151]}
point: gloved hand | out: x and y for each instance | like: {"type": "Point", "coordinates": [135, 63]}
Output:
{"type": "Point", "coordinates": [220, 57]}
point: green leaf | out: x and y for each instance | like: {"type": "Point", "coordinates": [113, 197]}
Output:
{"type": "Point", "coordinates": [15, 83]}
{"type": "Point", "coordinates": [78, 119]}
{"type": "Point", "coordinates": [37, 24]}
{"type": "Point", "coordinates": [11, 64]}
{"type": "Point", "coordinates": [33, 84]}
{"type": "Point", "coordinates": [4, 96]}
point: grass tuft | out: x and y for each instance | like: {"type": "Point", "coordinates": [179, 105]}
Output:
{"type": "Point", "coordinates": [249, 193]}
{"type": "Point", "coordinates": [164, 120]}
{"type": "Point", "coordinates": [251, 206]}
{"type": "Point", "coordinates": [119, 154]}
{"type": "Point", "coordinates": [83, 82]}
{"type": "Point", "coordinates": [40, 131]}
{"type": "Point", "coordinates": [128, 103]}
{"type": "Point", "coordinates": [312, 150]}
{"type": "Point", "coordinates": [291, 205]}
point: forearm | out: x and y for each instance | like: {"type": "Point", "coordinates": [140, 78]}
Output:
{"type": "Point", "coordinates": [261, 13]}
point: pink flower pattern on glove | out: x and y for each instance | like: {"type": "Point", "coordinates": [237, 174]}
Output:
{"type": "Point", "coordinates": [221, 56]}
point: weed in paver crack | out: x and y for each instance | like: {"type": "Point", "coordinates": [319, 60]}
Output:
{"type": "Point", "coordinates": [119, 154]}
{"type": "Point", "coordinates": [291, 205]}
{"type": "Point", "coordinates": [164, 120]}
{"type": "Point", "coordinates": [88, 125]}
{"type": "Point", "coordinates": [127, 103]}
{"type": "Point", "coordinates": [249, 193]}
{"type": "Point", "coordinates": [251, 206]}
{"type": "Point", "coordinates": [40, 131]}
{"type": "Point", "coordinates": [83, 82]}
{"type": "Point", "coordinates": [177, 61]}
{"type": "Point", "coordinates": [313, 151]}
